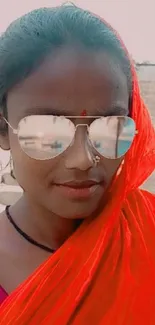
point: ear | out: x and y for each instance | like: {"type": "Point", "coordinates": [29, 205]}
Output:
{"type": "Point", "coordinates": [4, 138]}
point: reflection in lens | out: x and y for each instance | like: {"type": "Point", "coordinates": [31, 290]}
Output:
{"type": "Point", "coordinates": [112, 136]}
{"type": "Point", "coordinates": [45, 137]}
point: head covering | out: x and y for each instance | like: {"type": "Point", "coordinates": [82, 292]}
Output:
{"type": "Point", "coordinates": [105, 272]}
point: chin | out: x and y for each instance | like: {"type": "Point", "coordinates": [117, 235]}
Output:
{"type": "Point", "coordinates": [72, 208]}
{"type": "Point", "coordinates": [77, 211]}
{"type": "Point", "coordinates": [81, 216]}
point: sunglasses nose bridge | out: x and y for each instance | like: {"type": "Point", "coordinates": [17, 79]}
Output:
{"type": "Point", "coordinates": [79, 125]}
{"type": "Point", "coordinates": [84, 127]}
{"type": "Point", "coordinates": [83, 137]}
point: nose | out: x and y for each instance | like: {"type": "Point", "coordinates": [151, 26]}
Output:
{"type": "Point", "coordinates": [80, 155]}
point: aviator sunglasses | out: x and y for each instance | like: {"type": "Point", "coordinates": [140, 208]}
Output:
{"type": "Point", "coordinates": [45, 137]}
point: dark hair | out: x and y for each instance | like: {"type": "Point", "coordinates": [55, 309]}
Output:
{"type": "Point", "coordinates": [29, 39]}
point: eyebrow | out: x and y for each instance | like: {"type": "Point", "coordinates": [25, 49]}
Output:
{"type": "Point", "coordinates": [45, 111]}
{"type": "Point", "coordinates": [113, 110]}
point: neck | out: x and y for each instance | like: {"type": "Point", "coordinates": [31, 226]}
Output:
{"type": "Point", "coordinates": [42, 225]}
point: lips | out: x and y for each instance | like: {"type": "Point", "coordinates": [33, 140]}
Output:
{"type": "Point", "coordinates": [80, 184]}
{"type": "Point", "coordinates": [80, 189]}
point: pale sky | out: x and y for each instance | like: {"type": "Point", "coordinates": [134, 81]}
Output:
{"type": "Point", "coordinates": [133, 19]}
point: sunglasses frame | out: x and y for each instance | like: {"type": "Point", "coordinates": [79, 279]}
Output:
{"type": "Point", "coordinates": [15, 131]}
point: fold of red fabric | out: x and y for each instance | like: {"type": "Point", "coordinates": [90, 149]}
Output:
{"type": "Point", "coordinates": [105, 272]}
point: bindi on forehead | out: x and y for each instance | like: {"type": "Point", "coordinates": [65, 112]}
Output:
{"type": "Point", "coordinates": [83, 113]}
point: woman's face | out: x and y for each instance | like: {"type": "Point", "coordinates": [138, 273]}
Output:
{"type": "Point", "coordinates": [67, 83]}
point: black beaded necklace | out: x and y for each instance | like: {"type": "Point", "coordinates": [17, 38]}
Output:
{"type": "Point", "coordinates": [24, 235]}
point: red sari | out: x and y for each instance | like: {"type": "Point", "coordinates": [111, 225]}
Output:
{"type": "Point", "coordinates": [104, 274]}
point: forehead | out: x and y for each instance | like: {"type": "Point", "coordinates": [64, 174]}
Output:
{"type": "Point", "coordinates": [71, 80]}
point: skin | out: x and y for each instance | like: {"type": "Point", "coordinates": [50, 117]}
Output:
{"type": "Point", "coordinates": [67, 82]}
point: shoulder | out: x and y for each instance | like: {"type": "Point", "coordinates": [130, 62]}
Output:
{"type": "Point", "coordinates": [3, 227]}
{"type": "Point", "coordinates": [9, 255]}
{"type": "Point", "coordinates": [4, 250]}
{"type": "Point", "coordinates": [4, 237]}
{"type": "Point", "coordinates": [7, 242]}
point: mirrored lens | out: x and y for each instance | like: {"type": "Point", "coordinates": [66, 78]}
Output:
{"type": "Point", "coordinates": [112, 136]}
{"type": "Point", "coordinates": [45, 136]}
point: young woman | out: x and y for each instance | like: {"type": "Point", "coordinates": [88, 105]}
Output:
{"type": "Point", "coordinates": [79, 246]}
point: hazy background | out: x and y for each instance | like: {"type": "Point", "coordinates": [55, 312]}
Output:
{"type": "Point", "coordinates": [133, 19]}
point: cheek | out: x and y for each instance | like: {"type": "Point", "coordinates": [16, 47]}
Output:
{"type": "Point", "coordinates": [29, 172]}
{"type": "Point", "coordinates": [111, 166]}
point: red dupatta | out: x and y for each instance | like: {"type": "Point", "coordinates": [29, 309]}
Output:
{"type": "Point", "coordinates": [104, 274]}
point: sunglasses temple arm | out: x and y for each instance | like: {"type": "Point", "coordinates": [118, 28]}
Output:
{"type": "Point", "coordinates": [14, 131]}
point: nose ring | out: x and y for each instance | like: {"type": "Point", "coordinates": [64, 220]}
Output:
{"type": "Point", "coordinates": [96, 160]}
